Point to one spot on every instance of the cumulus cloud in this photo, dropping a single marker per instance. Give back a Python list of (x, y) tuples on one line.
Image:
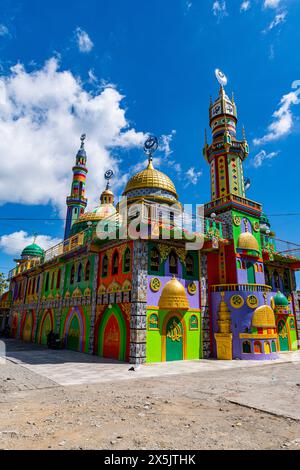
[(192, 176), (245, 5), (263, 156), (42, 115), (84, 42), (219, 9), (14, 243), (282, 118), (271, 3), (165, 143)]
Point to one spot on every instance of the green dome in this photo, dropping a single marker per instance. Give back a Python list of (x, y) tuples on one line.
[(264, 219), (280, 300), (32, 251)]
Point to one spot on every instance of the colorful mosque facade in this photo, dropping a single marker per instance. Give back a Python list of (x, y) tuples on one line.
[(152, 299)]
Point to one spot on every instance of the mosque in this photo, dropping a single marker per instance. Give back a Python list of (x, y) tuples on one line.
[(157, 298)]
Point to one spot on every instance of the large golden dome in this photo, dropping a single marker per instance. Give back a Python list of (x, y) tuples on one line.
[(247, 241), (263, 317), (173, 296), (150, 178)]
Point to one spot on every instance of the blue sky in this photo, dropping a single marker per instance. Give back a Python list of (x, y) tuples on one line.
[(119, 69)]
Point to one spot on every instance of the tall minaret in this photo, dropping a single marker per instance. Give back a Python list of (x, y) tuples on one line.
[(225, 154), (77, 202)]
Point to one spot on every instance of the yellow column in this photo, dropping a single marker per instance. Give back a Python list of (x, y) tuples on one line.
[(224, 337)]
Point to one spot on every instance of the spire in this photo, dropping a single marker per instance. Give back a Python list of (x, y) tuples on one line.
[(107, 196), (77, 202), (150, 146)]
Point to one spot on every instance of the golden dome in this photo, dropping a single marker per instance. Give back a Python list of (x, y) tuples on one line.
[(247, 241), (99, 213), (173, 296), (150, 178), (263, 317)]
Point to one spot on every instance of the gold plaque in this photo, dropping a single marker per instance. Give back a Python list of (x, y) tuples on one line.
[(155, 284), (236, 301), (192, 288), (252, 301)]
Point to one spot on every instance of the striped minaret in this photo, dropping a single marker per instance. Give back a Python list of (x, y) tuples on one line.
[(76, 202), (226, 154)]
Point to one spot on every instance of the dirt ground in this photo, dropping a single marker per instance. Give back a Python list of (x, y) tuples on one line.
[(184, 411)]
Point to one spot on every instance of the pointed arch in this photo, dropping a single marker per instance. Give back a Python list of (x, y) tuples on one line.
[(79, 273), (115, 263), (104, 270), (127, 260), (87, 271)]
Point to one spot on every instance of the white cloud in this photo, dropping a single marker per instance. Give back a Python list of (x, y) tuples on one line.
[(42, 115), (245, 5), (84, 42), (192, 176), (279, 18), (271, 3), (3, 30), (14, 243), (282, 118), (165, 143), (219, 9), (262, 156)]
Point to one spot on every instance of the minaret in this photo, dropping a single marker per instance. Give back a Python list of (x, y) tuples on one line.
[(77, 202), (229, 202), (226, 154)]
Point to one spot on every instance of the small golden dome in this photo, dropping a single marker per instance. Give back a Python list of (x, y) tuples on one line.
[(263, 317), (100, 213), (173, 296), (150, 178), (247, 241)]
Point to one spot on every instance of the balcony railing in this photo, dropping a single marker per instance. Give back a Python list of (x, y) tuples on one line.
[(240, 288), (233, 198), (62, 248)]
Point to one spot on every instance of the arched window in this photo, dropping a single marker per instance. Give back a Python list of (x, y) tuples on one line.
[(52, 280), (267, 277), (58, 279), (87, 271), (239, 264), (276, 280), (154, 260), (38, 284), (189, 262), (286, 281), (173, 262), (47, 282), (72, 275), (246, 347), (79, 273), (127, 260), (104, 266), (257, 347), (115, 263)]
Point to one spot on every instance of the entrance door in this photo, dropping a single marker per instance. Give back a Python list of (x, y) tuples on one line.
[(111, 338), (73, 338), (174, 340), (250, 273), (283, 336), (46, 328), (27, 330)]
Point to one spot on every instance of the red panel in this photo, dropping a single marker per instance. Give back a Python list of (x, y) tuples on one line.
[(111, 338)]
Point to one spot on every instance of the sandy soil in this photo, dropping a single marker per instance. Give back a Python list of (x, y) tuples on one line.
[(178, 412)]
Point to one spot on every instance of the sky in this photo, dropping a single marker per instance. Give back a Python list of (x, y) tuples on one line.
[(118, 70)]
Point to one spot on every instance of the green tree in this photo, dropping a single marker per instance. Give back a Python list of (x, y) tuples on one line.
[(3, 283)]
